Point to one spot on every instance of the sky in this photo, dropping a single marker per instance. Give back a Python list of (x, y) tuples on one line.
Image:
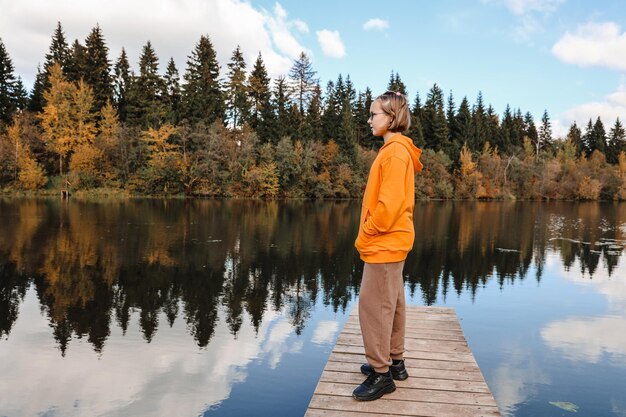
[(566, 57)]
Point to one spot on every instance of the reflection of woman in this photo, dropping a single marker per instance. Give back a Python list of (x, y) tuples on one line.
[(385, 237)]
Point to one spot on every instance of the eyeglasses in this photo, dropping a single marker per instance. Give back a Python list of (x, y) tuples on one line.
[(372, 114)]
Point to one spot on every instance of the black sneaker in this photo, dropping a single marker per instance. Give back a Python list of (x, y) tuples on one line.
[(398, 371), (374, 387)]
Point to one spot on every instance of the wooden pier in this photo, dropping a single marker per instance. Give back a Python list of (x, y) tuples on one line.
[(444, 379)]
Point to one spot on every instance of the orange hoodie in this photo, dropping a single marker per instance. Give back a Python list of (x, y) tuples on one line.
[(386, 231)]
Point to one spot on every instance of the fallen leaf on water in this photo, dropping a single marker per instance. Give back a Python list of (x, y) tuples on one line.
[(565, 406)]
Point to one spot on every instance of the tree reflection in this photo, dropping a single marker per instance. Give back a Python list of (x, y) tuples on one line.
[(201, 261)]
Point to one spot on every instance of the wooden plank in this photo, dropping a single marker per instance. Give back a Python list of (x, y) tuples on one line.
[(444, 379)]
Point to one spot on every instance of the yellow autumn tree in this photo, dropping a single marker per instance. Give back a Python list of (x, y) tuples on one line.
[(67, 119), (108, 140), (164, 159), (29, 174), (468, 178)]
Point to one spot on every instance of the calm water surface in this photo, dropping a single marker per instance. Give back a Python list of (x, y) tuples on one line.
[(187, 308)]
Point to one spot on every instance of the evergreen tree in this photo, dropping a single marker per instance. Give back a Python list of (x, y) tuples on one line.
[(491, 125), (479, 136), (59, 51), (346, 137), (283, 110), (302, 81), (78, 63), (517, 137), (145, 99), (97, 71), (530, 130), (172, 93), (416, 131), (462, 128), (598, 137), (435, 125), (588, 140), (545, 133), (575, 136), (122, 84), (202, 95), (10, 89), (236, 90), (396, 84), (258, 92), (313, 126), (362, 114), (617, 142), (507, 129), (331, 116)]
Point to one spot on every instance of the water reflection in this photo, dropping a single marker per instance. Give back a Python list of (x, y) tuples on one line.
[(92, 265)]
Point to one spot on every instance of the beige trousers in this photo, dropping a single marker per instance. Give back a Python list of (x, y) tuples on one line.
[(382, 313)]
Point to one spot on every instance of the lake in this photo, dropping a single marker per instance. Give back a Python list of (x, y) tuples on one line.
[(230, 308)]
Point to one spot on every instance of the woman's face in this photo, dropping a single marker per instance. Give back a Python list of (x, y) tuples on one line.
[(379, 120)]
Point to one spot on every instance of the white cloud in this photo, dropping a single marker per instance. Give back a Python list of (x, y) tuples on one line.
[(376, 24), (609, 109), (331, 44), (593, 44), (173, 27), (520, 7)]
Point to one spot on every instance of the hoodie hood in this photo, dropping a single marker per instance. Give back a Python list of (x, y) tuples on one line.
[(414, 151)]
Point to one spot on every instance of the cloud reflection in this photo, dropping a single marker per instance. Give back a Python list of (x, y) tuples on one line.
[(169, 376)]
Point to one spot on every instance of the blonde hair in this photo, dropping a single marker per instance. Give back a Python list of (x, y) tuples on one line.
[(394, 104)]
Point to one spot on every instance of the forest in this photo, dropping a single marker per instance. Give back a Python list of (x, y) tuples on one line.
[(92, 125)]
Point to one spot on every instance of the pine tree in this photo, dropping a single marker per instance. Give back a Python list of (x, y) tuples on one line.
[(491, 125), (588, 140), (364, 133), (145, 99), (172, 96), (236, 90), (435, 125), (530, 130), (98, 68), (507, 129), (617, 142), (545, 133), (59, 51), (122, 84), (202, 95), (302, 81)]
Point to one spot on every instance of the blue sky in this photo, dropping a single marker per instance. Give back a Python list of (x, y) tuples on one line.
[(565, 56)]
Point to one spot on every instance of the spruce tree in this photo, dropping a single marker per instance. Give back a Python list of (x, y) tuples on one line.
[(395, 84), (545, 133), (479, 136), (98, 68), (77, 66), (258, 92), (9, 89), (575, 136), (313, 123), (617, 142), (507, 129), (598, 137), (435, 125), (416, 131), (364, 133), (463, 129), (283, 110), (145, 99), (491, 125), (202, 95), (530, 130), (59, 51), (330, 117), (236, 90), (172, 96), (121, 85), (588, 140)]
